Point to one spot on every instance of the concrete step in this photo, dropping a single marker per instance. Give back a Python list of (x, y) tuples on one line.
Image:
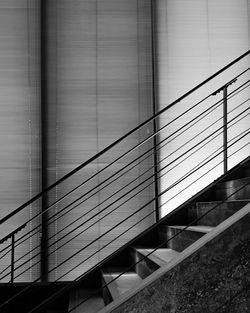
[(151, 261), (194, 228), (122, 283), (85, 300), (237, 189), (216, 212), (159, 256), (184, 238)]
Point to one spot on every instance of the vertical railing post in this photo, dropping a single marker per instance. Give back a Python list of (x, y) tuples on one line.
[(224, 90), (225, 128), (12, 250), (44, 143), (12, 259)]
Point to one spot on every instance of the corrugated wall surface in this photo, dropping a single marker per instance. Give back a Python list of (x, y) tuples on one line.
[(99, 87), (19, 118), (97, 70)]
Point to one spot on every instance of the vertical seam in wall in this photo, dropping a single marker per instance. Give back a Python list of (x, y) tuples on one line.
[(138, 63), (138, 77), (56, 136), (147, 91), (167, 41), (147, 44), (29, 132), (158, 25), (37, 118), (149, 85), (154, 97), (209, 41), (248, 21), (147, 31), (97, 130), (149, 88), (44, 132)]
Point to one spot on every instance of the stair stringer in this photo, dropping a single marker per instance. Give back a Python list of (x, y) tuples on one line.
[(198, 280)]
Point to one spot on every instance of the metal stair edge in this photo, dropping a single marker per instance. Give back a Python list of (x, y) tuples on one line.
[(182, 255)]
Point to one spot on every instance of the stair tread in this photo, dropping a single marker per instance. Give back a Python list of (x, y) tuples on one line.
[(90, 306), (122, 284), (160, 256), (224, 201), (197, 228)]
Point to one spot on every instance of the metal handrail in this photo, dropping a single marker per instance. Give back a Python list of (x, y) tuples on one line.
[(72, 284), (132, 149), (164, 139), (124, 195), (78, 168), (59, 293), (81, 224), (98, 185), (184, 177)]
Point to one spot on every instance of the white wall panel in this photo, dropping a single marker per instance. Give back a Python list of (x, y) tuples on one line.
[(195, 38)]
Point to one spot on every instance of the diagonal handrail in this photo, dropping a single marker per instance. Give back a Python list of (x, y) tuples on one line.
[(202, 163), (159, 143), (162, 244), (199, 166), (138, 145), (73, 283), (183, 127), (96, 156), (147, 170), (144, 257)]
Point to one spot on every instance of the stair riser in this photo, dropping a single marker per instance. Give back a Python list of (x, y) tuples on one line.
[(215, 213), (85, 300), (233, 190), (180, 241), (145, 267), (246, 170), (243, 172)]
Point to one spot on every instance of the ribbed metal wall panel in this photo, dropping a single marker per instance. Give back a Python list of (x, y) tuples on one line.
[(19, 121), (99, 87)]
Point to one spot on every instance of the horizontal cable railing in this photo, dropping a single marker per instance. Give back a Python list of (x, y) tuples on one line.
[(192, 138), (161, 245), (182, 178), (106, 201), (58, 182), (199, 143), (132, 266)]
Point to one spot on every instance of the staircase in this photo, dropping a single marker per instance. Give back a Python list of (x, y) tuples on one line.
[(143, 257), (173, 235)]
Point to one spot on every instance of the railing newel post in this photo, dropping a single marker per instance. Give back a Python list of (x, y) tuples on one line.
[(224, 117), (12, 258), (225, 129)]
